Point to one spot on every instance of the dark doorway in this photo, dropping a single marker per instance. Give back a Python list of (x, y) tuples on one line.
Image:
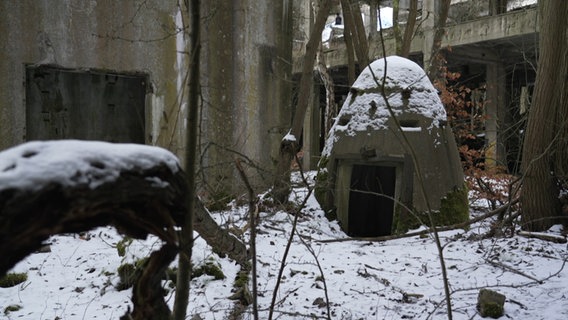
[(371, 200), (86, 105)]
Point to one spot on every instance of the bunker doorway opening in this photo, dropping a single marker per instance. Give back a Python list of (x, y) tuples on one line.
[(371, 200)]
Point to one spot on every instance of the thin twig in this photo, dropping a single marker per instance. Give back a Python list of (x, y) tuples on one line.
[(286, 251), (311, 250), (253, 213), (511, 269)]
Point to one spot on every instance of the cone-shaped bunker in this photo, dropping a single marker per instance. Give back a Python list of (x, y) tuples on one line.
[(388, 162)]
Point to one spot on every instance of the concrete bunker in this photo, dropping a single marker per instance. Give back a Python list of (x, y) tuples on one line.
[(381, 153)]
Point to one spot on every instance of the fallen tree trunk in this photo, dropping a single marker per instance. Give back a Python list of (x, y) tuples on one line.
[(543, 236), (220, 239), (460, 225), (49, 188), (133, 203)]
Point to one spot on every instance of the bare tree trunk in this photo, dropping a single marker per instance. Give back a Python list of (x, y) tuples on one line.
[(362, 41), (289, 145), (374, 8), (350, 55), (561, 164), (354, 25), (186, 234), (409, 30), (331, 106), (436, 59), (396, 26), (221, 240), (349, 29), (539, 195)]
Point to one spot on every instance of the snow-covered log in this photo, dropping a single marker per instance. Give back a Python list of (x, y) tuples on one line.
[(49, 188), (69, 186)]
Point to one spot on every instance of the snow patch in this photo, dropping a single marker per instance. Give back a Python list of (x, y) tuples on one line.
[(289, 137), (365, 280), (411, 129)]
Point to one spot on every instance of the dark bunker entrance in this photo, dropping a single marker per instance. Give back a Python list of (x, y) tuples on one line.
[(371, 200)]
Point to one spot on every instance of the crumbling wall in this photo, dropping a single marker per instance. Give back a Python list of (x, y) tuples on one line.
[(115, 36)]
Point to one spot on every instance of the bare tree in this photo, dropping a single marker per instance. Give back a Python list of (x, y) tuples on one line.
[(396, 25), (289, 145), (186, 234), (350, 55), (327, 80), (545, 138), (403, 41), (373, 19), (356, 30), (434, 66)]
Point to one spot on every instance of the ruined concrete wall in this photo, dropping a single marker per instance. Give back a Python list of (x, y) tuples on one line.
[(218, 101), (246, 63), (246, 89), (131, 36)]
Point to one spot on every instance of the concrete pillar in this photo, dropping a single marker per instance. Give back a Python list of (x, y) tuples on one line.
[(217, 82), (246, 85), (265, 90), (495, 109)]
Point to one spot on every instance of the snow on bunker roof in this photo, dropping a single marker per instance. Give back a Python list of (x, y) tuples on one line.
[(407, 89), (32, 165)]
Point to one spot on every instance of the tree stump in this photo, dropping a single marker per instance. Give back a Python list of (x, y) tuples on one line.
[(49, 188)]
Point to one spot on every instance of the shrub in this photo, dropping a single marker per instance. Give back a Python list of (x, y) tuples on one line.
[(12, 279)]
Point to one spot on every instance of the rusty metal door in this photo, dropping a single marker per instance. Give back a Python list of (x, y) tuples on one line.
[(87, 105)]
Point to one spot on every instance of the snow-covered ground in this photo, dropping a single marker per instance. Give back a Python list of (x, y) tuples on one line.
[(397, 279)]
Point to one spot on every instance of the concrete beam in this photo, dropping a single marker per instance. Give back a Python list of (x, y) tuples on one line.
[(480, 55), (511, 24), (508, 25)]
